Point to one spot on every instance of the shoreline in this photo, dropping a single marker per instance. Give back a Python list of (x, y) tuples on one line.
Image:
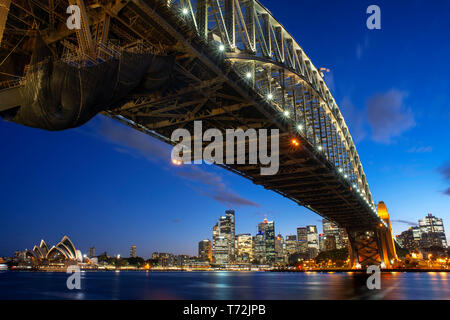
[(240, 271)]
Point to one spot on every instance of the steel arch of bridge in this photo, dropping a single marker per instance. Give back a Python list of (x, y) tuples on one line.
[(258, 45)]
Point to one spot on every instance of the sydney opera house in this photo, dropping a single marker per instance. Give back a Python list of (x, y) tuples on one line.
[(63, 251)]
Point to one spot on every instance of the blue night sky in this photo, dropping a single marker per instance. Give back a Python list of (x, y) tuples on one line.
[(108, 186)]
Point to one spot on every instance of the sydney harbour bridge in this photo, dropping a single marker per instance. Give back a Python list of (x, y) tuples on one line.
[(161, 65)]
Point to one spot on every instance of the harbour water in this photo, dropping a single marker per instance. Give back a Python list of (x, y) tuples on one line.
[(132, 285)]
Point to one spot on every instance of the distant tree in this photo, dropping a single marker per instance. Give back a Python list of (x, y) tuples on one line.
[(338, 256), (137, 261)]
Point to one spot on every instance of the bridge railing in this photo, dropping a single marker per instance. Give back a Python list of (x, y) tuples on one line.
[(265, 53)]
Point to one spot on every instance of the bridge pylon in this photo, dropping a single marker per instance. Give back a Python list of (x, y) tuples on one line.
[(373, 245)]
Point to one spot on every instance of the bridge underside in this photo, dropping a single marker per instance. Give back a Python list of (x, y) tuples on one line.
[(204, 86)]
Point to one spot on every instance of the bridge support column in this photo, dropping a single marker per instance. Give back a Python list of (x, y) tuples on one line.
[(363, 248), (373, 245)]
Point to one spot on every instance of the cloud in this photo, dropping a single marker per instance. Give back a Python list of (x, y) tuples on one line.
[(387, 116), (137, 144), (354, 118), (421, 149), (410, 223), (444, 170), (217, 188)]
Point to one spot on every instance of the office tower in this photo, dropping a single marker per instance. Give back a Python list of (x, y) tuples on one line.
[(332, 229), (406, 239), (432, 232), (91, 252), (226, 228), (205, 250), (302, 240), (133, 251), (279, 249), (259, 248), (329, 243), (221, 250), (322, 242), (291, 245), (244, 247), (267, 228), (313, 241)]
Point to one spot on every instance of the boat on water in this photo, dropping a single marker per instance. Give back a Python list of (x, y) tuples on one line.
[(3, 267)]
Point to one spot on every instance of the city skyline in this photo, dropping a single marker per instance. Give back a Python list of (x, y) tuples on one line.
[(104, 182), (428, 223)]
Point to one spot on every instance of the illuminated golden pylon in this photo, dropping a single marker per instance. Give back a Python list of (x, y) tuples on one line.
[(388, 252)]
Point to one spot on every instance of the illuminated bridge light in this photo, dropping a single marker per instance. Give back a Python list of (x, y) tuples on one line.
[(185, 11), (176, 162), (320, 148), (248, 75), (221, 47), (270, 96), (286, 113), (300, 127), (341, 170)]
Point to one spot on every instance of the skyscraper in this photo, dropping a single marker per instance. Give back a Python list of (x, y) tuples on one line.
[(205, 250), (291, 245), (244, 248), (279, 249), (133, 251), (221, 250), (302, 239), (225, 228), (313, 241), (91, 252), (432, 232), (267, 228), (259, 248), (332, 229)]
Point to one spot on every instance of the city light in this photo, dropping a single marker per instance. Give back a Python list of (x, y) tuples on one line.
[(286, 113), (270, 96), (320, 148), (176, 162), (300, 127), (185, 11), (248, 75), (221, 47), (295, 142)]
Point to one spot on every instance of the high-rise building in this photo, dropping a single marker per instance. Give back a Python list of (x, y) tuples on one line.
[(133, 251), (291, 245), (267, 228), (205, 250), (279, 249), (244, 247), (91, 252), (332, 229), (302, 239), (406, 239), (432, 232), (226, 228), (259, 248), (313, 241), (221, 250)]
